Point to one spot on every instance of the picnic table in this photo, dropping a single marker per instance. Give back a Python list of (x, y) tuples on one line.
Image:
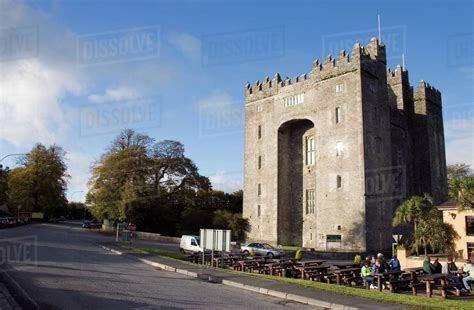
[(312, 271), (391, 274), (345, 265), (279, 265), (340, 273), (312, 262), (441, 278)]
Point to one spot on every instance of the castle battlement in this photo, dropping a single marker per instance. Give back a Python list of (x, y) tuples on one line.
[(320, 71), (425, 91)]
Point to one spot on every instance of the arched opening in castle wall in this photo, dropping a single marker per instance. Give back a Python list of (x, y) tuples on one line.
[(295, 153)]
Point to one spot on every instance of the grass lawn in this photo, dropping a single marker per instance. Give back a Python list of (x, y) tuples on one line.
[(402, 299), (153, 251)]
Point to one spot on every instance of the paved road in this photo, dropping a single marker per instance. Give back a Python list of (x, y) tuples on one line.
[(62, 267)]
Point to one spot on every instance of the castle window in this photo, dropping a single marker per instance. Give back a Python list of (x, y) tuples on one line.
[(339, 182), (338, 115), (259, 132), (293, 100), (259, 108), (310, 151), (259, 189), (339, 148), (340, 88), (259, 162), (258, 211), (310, 201)]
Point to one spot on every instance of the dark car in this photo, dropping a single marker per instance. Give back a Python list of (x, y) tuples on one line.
[(21, 221), (91, 224), (11, 222), (4, 222)]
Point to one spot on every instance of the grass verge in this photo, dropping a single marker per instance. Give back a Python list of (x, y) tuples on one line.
[(154, 251), (402, 299)]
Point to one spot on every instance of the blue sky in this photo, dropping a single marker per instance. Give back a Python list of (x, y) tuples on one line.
[(179, 85)]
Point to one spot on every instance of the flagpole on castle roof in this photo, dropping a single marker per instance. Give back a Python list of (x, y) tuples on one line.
[(380, 33)]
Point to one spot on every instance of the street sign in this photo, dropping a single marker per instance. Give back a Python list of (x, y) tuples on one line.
[(397, 238), (215, 239)]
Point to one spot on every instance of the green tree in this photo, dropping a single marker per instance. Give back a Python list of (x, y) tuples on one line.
[(145, 182), (3, 184), (39, 184), (461, 190), (429, 230), (459, 171)]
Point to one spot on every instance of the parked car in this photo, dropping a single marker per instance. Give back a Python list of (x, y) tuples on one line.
[(91, 224), (21, 221), (190, 244), (11, 222), (4, 222), (261, 249)]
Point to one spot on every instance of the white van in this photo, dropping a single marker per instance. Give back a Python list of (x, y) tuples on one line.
[(189, 244)]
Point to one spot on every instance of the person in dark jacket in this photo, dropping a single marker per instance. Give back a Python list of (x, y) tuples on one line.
[(437, 267)]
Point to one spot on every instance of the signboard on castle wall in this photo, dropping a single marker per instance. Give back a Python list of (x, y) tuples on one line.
[(215, 239)]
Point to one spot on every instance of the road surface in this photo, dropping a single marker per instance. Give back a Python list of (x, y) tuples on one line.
[(62, 267)]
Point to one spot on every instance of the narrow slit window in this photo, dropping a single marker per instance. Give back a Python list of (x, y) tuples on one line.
[(259, 132), (310, 201), (259, 189), (258, 211), (338, 115), (310, 151), (259, 162), (339, 182)]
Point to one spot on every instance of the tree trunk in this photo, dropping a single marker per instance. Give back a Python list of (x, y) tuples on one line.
[(417, 252)]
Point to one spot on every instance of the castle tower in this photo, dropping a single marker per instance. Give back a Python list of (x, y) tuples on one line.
[(321, 164)]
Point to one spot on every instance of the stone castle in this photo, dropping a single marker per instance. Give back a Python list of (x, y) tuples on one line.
[(330, 155)]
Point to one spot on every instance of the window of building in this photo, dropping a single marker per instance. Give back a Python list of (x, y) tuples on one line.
[(339, 148), (310, 150), (338, 115), (293, 100), (339, 182), (259, 162), (259, 189), (470, 225), (340, 88), (258, 211), (259, 131), (470, 249), (310, 201), (259, 108)]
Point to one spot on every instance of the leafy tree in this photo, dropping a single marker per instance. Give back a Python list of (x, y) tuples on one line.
[(39, 184), (461, 190), (459, 171), (429, 230), (3, 184), (136, 175)]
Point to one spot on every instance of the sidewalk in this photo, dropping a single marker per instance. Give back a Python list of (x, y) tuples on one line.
[(6, 300), (263, 286)]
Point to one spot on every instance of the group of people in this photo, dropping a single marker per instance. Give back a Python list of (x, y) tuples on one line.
[(372, 265), (450, 269)]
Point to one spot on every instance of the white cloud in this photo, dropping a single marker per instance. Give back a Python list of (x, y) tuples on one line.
[(114, 94), (35, 76), (187, 44), (216, 101), (228, 182)]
